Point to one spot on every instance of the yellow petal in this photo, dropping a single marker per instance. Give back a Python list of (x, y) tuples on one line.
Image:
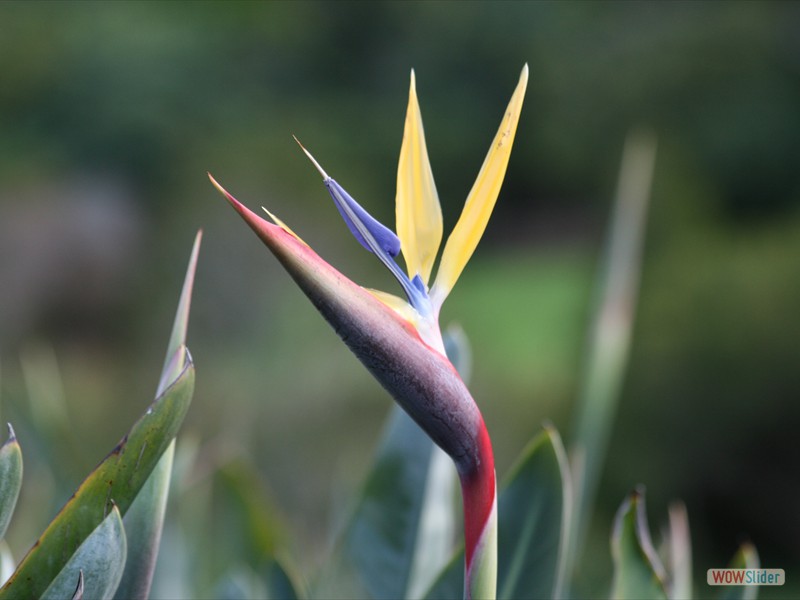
[(398, 305), (480, 201), (419, 216)]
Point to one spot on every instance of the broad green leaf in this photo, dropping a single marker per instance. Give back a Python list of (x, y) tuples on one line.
[(249, 500), (745, 558), (10, 479), (116, 480), (145, 518), (533, 508), (638, 572), (270, 582), (402, 524), (144, 522), (101, 560), (280, 583)]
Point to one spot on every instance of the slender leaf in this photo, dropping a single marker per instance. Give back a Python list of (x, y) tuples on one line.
[(170, 370), (144, 520), (638, 572), (116, 480), (100, 559), (679, 549), (533, 509), (745, 558), (10, 479)]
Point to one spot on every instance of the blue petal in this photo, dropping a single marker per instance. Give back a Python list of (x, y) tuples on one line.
[(379, 240), (419, 284), (383, 237)]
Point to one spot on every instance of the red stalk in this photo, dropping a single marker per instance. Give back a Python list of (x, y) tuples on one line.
[(478, 495)]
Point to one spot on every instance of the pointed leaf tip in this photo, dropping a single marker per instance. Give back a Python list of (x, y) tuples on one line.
[(638, 572), (78, 594), (222, 190)]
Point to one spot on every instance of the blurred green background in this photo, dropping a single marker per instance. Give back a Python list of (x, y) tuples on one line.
[(111, 114)]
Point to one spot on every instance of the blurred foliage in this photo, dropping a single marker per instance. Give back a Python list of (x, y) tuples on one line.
[(110, 114)]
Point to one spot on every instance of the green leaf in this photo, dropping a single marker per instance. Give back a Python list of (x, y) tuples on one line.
[(101, 560), (144, 520), (401, 534), (402, 528), (280, 583), (170, 371), (638, 572), (679, 552), (609, 339), (745, 558), (116, 480), (449, 585), (533, 510), (252, 527), (10, 479)]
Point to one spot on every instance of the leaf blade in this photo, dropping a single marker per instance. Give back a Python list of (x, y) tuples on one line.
[(637, 571), (99, 561), (144, 520), (745, 558), (534, 509), (383, 536), (10, 479), (532, 540), (119, 477)]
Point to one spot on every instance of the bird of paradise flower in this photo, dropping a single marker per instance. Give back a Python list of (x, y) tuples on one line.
[(399, 340)]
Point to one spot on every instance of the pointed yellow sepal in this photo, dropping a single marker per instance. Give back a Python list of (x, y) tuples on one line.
[(419, 216), (278, 222), (480, 201)]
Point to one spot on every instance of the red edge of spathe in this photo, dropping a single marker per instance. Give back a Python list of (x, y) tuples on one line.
[(479, 496)]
